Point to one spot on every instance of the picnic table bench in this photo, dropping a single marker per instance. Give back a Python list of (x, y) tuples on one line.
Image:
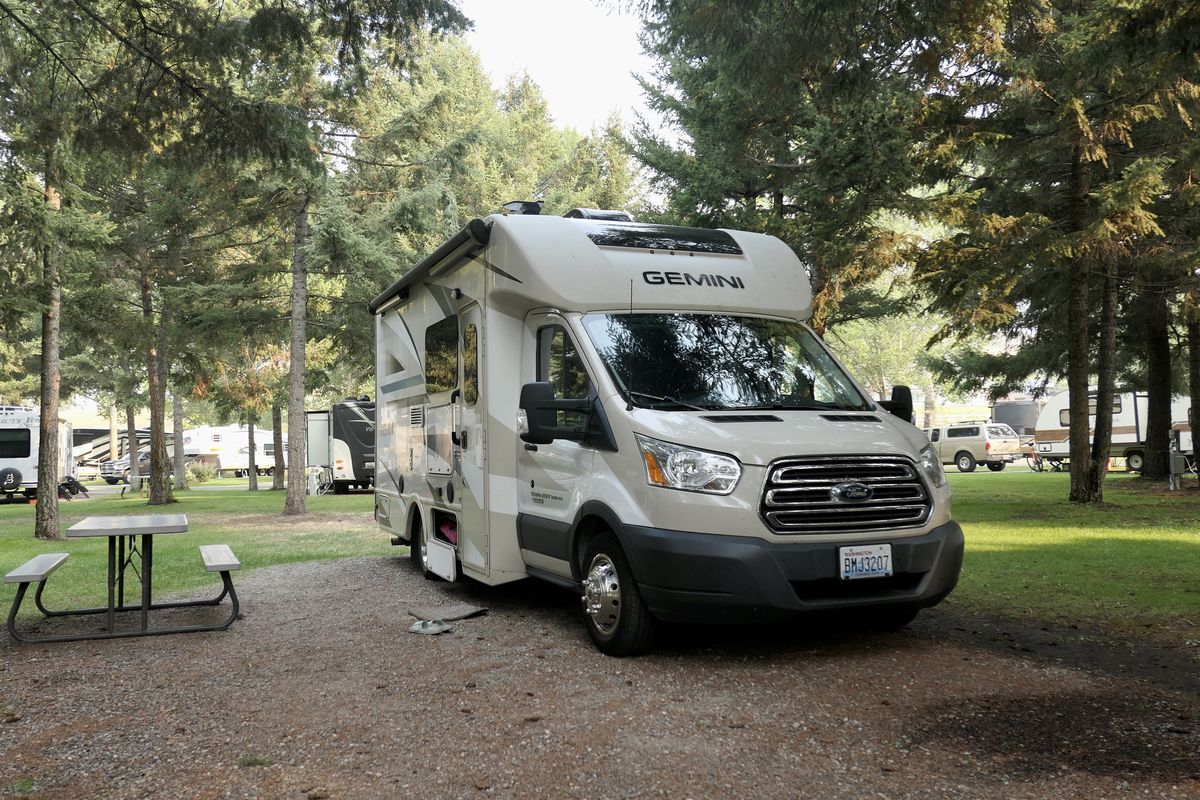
[(122, 551)]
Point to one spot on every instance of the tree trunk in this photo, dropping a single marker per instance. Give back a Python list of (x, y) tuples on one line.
[(930, 405), (1106, 379), (277, 436), (160, 486), (251, 447), (45, 524), (1158, 383), (1077, 339), (114, 442), (296, 502), (1193, 334), (177, 426), (131, 444)]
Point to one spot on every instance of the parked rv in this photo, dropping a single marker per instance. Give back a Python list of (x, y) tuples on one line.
[(1053, 437), (966, 444), (20, 435), (227, 448), (640, 414), (343, 439)]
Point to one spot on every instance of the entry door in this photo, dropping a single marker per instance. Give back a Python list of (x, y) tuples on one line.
[(469, 444), (550, 475)]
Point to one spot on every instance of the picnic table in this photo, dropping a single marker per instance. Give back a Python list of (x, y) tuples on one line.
[(125, 554)]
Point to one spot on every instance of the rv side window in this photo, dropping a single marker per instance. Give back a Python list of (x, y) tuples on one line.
[(470, 365), (1064, 418), (1092, 405), (14, 443), (441, 355)]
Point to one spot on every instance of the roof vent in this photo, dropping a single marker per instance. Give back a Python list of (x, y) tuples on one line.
[(598, 213), (523, 207)]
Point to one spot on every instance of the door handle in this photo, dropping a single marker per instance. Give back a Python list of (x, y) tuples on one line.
[(531, 447)]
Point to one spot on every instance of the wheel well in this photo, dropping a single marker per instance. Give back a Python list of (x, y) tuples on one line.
[(588, 528), (961, 453), (414, 514)]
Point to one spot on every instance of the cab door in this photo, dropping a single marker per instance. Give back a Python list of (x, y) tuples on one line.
[(551, 476)]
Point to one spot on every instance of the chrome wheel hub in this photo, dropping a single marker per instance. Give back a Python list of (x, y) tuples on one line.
[(602, 594)]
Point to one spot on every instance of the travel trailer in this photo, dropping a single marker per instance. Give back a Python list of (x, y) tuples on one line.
[(1020, 415), (343, 439), (1053, 436), (639, 413), (19, 444), (227, 448)]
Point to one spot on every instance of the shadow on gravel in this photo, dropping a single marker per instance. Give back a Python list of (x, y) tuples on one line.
[(1162, 666), (1100, 734)]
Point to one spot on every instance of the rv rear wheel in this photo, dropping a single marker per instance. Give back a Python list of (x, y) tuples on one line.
[(965, 462), (996, 466), (613, 610), (418, 551), (1135, 461)]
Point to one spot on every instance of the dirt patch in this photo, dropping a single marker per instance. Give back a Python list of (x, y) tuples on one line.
[(273, 522), (320, 692)]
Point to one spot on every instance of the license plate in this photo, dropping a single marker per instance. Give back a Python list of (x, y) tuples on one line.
[(865, 561)]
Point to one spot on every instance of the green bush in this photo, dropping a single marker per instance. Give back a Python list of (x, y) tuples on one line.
[(199, 472)]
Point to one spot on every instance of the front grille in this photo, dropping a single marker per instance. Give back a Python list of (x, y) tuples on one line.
[(798, 496)]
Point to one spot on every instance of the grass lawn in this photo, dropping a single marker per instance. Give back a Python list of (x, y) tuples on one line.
[(339, 526), (1131, 566)]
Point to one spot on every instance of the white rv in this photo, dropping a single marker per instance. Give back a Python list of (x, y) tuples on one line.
[(227, 448), (343, 439), (639, 413), (19, 444), (1053, 435)]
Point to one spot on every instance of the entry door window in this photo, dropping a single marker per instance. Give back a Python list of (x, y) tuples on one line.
[(560, 365), (441, 355), (14, 443)]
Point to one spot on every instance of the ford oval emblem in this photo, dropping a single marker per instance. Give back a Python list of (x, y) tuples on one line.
[(852, 492)]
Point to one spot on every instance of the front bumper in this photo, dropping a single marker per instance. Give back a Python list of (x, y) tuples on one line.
[(701, 577)]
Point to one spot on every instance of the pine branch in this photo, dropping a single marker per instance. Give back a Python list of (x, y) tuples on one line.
[(8, 12)]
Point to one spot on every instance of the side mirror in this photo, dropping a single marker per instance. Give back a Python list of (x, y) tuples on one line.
[(541, 414), (901, 404)]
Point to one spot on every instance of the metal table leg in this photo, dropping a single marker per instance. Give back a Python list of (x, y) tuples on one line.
[(147, 564), (112, 582)]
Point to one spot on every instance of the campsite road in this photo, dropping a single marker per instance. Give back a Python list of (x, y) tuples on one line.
[(320, 692)]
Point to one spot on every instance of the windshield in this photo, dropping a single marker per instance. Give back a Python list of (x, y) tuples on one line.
[(717, 361)]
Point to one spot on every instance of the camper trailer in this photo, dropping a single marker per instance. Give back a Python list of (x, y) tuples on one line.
[(227, 448), (19, 443), (639, 413), (343, 439), (1053, 436)]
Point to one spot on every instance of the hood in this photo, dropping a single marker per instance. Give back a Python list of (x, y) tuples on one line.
[(760, 437)]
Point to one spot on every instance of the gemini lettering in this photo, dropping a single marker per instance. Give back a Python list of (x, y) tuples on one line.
[(655, 278)]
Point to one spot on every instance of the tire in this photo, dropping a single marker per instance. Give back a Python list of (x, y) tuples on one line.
[(417, 554), (112, 481), (891, 618), (996, 466), (1036, 464), (965, 462), (10, 479), (1135, 461), (270, 472), (614, 613)]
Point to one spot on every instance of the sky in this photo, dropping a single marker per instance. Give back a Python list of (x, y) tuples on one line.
[(583, 55)]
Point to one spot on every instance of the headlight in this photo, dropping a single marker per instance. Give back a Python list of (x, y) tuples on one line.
[(932, 465), (676, 467)]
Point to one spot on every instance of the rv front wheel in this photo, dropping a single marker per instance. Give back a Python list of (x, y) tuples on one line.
[(613, 610), (1135, 461), (418, 551), (965, 462)]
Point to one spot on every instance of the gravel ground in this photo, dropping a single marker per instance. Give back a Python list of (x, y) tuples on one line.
[(320, 692)]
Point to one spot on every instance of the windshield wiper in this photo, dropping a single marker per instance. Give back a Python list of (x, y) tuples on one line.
[(668, 399), (781, 407)]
